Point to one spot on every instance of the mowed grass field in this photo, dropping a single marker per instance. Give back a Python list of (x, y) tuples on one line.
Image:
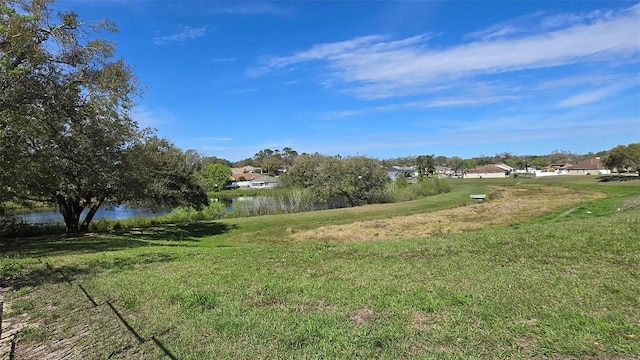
[(545, 269)]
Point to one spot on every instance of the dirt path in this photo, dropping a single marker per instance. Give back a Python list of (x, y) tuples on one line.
[(90, 331), (10, 325), (506, 206)]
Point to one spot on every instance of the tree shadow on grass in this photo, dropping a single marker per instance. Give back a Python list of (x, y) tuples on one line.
[(180, 232), (42, 272), (18, 274), (56, 245)]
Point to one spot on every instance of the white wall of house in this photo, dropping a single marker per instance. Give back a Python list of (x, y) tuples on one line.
[(262, 185), (542, 173), (523, 171), (590, 172), (485, 175)]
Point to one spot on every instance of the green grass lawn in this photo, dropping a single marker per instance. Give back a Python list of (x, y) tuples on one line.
[(564, 285)]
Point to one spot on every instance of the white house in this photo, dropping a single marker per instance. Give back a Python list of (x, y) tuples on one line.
[(264, 182), (588, 167), (491, 171)]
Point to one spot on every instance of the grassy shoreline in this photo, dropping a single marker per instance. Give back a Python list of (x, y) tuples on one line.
[(562, 284)]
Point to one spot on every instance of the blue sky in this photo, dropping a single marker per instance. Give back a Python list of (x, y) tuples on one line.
[(382, 78)]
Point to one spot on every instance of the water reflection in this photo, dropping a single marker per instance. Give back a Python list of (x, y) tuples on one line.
[(118, 212)]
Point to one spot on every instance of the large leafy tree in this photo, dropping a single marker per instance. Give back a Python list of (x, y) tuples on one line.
[(426, 164), (288, 155), (621, 157), (159, 174), (214, 176), (633, 160), (66, 132), (616, 158), (272, 160), (358, 179), (304, 171), (364, 180)]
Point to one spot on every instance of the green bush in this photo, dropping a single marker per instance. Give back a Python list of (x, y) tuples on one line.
[(424, 187), (398, 194), (401, 182), (11, 227), (179, 215), (432, 186)]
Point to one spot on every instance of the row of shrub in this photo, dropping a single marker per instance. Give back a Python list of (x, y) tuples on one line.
[(284, 201), (300, 200), (403, 191), (11, 227)]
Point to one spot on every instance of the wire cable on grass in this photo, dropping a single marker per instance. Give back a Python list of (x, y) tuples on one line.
[(87, 295), (126, 324), (163, 348), (139, 338)]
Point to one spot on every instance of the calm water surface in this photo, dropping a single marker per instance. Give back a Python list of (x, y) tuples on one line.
[(119, 212)]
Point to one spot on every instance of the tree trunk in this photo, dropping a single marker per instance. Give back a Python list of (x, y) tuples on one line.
[(350, 198), (71, 211), (92, 211)]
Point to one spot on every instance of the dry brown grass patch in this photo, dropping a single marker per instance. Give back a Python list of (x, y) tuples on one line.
[(511, 206), (362, 316), (421, 321), (319, 306)]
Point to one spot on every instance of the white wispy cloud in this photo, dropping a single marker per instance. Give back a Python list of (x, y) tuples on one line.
[(242, 91), (537, 22), (452, 101), (317, 52), (373, 66), (255, 8), (581, 80), (496, 134), (216, 139), (567, 19), (224, 60), (519, 25), (591, 96), (152, 118), (184, 33)]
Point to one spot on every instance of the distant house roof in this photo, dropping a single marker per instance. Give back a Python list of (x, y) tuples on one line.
[(243, 170), (246, 176), (400, 169), (589, 164), (394, 171), (490, 169), (558, 166), (403, 168), (504, 167), (266, 179)]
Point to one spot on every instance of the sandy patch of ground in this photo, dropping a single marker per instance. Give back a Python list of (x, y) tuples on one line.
[(10, 325), (506, 206)]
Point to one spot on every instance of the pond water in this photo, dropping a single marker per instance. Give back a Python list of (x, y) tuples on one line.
[(121, 212), (118, 212)]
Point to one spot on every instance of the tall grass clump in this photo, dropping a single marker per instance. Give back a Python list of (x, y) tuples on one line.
[(295, 200), (290, 201), (255, 206), (10, 227), (432, 186), (403, 191), (181, 215)]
